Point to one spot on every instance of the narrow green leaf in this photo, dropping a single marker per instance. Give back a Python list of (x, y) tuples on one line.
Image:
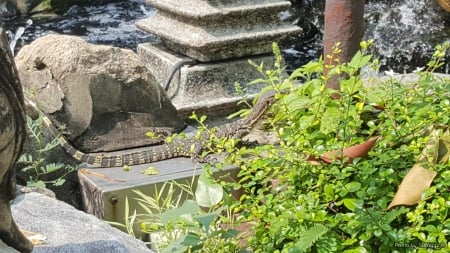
[(230, 233), (52, 167), (48, 147), (356, 250)]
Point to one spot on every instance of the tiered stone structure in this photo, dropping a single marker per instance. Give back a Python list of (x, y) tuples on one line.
[(220, 36)]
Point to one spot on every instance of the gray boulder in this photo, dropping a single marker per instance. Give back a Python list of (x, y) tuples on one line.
[(104, 96), (6, 249), (68, 230)]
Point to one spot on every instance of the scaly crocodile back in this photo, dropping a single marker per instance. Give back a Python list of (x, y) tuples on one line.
[(178, 147)]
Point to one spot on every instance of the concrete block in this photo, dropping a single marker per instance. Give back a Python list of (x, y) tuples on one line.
[(105, 190), (203, 87)]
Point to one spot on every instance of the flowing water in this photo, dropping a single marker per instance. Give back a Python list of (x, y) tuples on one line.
[(111, 24), (405, 31)]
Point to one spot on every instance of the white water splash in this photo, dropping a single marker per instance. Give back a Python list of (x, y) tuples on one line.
[(18, 34), (3, 7), (405, 30), (148, 12)]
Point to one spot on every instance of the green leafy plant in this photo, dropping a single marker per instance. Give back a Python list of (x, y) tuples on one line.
[(341, 206), (36, 161), (184, 217), (300, 202)]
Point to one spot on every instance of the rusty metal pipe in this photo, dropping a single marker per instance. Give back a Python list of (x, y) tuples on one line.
[(344, 23), (445, 4)]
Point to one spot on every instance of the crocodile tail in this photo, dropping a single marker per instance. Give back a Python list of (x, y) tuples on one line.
[(178, 148), (94, 160)]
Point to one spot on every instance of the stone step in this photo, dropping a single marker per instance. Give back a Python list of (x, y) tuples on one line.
[(216, 43), (206, 88), (206, 12), (217, 30)]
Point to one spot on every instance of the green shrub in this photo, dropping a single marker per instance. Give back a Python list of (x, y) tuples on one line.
[(185, 217), (318, 207), (342, 206)]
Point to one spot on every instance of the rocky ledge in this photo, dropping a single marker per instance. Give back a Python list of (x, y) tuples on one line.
[(62, 228)]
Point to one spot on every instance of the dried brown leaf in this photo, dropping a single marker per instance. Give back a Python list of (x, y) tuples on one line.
[(421, 175)]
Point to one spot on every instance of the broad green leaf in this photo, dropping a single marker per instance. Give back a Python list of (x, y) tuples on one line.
[(353, 204), (353, 186), (189, 207), (359, 61), (208, 193), (356, 250), (207, 219), (230, 233), (330, 120), (329, 191), (300, 72), (349, 241), (351, 85), (191, 240), (313, 67), (176, 247), (295, 102)]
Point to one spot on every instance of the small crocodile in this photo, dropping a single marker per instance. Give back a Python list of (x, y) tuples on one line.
[(178, 147)]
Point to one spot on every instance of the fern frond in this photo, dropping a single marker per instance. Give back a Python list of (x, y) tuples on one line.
[(310, 237)]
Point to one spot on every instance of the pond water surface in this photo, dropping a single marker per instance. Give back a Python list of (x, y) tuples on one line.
[(405, 31)]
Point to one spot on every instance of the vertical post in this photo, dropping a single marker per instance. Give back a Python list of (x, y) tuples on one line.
[(344, 23), (12, 136)]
